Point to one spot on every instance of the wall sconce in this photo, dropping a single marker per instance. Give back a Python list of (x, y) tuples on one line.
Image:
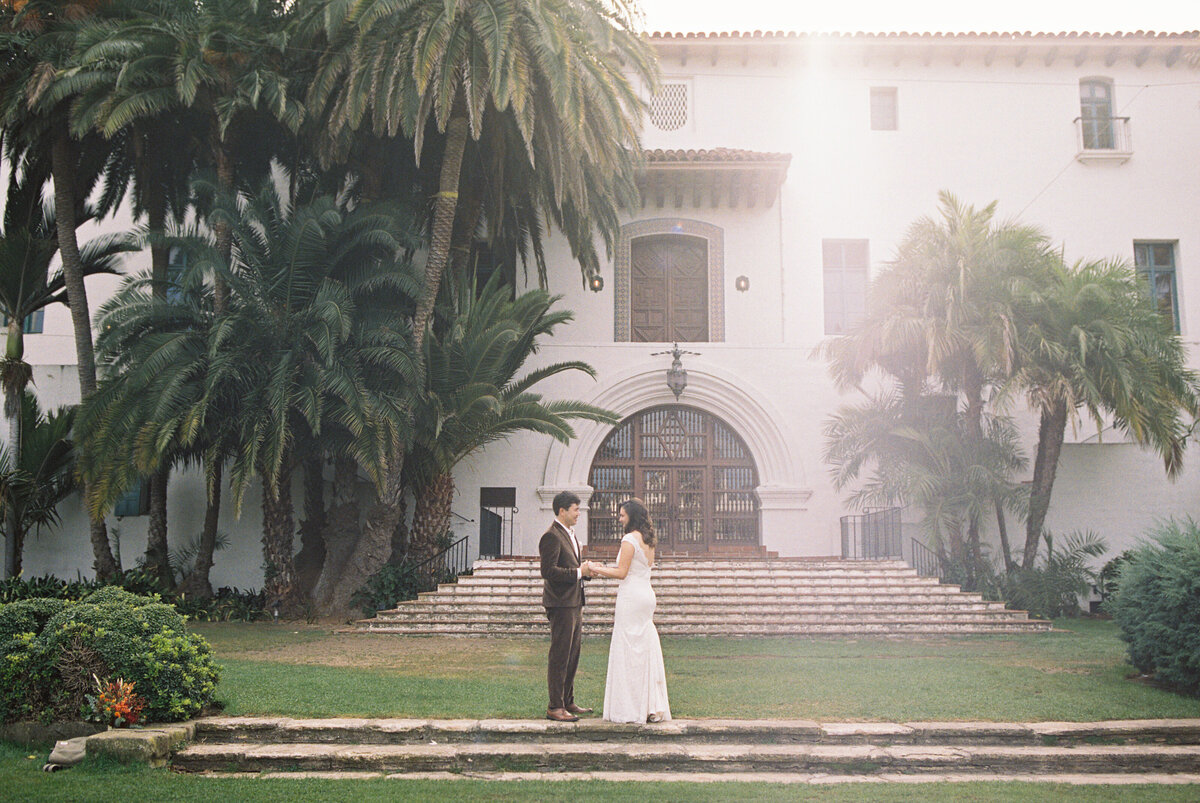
[(742, 283), (676, 375), (596, 283)]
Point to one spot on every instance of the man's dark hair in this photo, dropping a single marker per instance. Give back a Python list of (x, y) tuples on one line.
[(563, 500)]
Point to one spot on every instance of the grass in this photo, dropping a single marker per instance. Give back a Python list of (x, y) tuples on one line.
[(21, 780), (1077, 673)]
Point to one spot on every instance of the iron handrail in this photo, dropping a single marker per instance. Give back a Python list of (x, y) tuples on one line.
[(873, 535), (926, 561), (450, 567)]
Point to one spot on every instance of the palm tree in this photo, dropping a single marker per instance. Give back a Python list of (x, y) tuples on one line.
[(37, 42), (546, 78), (42, 476), (473, 395), (1094, 342), (28, 244), (943, 317)]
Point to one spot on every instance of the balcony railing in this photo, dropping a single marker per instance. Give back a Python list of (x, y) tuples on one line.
[(1103, 139)]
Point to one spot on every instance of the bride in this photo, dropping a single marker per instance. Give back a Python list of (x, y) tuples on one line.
[(636, 687)]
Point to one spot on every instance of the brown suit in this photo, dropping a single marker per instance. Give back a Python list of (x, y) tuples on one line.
[(562, 596)]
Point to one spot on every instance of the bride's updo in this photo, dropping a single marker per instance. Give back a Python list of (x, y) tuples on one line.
[(639, 519)]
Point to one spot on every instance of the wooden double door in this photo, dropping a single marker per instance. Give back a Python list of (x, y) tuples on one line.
[(693, 472)]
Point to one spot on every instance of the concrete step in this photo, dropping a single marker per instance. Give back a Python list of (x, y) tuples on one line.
[(717, 617), (708, 758), (670, 599), (286, 730), (758, 629), (601, 610)]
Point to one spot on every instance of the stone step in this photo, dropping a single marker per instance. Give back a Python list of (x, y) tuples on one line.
[(753, 629), (276, 730), (673, 599), (671, 757), (602, 609), (667, 618)]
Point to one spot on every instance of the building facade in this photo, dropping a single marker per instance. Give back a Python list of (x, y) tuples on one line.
[(782, 171)]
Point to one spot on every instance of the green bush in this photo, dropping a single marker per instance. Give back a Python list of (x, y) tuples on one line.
[(111, 633), (1157, 605), (1051, 588), (27, 616)]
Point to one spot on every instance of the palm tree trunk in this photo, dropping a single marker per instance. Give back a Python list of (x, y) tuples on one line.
[(1051, 430), (1002, 528), (221, 230), (63, 170), (312, 545), (198, 582), (341, 533), (431, 517), (444, 208), (373, 548), (157, 555), (279, 527), (14, 349)]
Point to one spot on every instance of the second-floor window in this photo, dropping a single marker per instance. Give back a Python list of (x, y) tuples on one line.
[(1155, 263), (1096, 114), (669, 289), (669, 106), (845, 264), (884, 108)]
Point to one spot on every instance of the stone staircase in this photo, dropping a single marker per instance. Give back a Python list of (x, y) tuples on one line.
[(708, 597), (1144, 751)]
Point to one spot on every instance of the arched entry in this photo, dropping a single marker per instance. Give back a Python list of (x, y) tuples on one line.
[(694, 472)]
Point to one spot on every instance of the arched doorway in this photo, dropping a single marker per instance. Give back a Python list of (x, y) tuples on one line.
[(694, 472)]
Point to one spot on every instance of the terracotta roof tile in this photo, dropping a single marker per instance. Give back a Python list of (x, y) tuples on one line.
[(795, 36), (710, 155)]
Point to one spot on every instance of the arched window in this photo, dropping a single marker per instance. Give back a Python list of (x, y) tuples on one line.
[(668, 288)]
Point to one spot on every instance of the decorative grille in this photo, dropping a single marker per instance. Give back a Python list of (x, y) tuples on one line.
[(694, 473), (669, 107)]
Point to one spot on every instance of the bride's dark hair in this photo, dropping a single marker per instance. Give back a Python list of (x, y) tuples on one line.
[(639, 519)]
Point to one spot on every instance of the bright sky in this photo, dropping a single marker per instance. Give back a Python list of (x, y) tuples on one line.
[(849, 16)]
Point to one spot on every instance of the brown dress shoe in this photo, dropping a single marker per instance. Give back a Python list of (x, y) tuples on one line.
[(578, 709), (561, 715)]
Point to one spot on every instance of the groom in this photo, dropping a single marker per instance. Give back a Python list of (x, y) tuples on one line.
[(562, 596)]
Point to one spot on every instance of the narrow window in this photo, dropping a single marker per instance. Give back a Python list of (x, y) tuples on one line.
[(497, 506), (1155, 263), (884, 116), (845, 272), (669, 289), (1096, 114)]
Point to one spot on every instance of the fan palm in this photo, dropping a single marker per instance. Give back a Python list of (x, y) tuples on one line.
[(1095, 343), (473, 395)]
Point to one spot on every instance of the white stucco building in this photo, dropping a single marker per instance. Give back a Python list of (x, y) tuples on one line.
[(783, 170)]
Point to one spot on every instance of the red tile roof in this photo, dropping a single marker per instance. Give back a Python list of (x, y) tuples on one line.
[(710, 155), (794, 36)]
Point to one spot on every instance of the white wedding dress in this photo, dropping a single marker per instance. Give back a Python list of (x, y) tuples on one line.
[(636, 687)]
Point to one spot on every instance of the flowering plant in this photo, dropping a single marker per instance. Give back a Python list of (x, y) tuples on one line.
[(115, 703)]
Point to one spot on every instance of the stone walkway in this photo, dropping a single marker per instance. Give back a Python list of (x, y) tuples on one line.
[(777, 751)]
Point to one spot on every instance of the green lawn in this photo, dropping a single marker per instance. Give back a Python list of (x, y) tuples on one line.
[(1076, 673)]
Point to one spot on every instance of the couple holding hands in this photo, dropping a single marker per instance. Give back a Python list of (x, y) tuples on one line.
[(635, 689)]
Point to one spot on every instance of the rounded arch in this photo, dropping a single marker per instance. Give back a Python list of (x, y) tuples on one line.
[(710, 389), (622, 284)]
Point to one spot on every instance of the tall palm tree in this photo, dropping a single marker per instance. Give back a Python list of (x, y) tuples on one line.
[(473, 395), (547, 78), (28, 244), (37, 42), (943, 316), (1094, 343)]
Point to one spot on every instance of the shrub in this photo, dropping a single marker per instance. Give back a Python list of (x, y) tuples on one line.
[(1157, 605), (390, 585), (111, 633), (1051, 589), (27, 616)]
